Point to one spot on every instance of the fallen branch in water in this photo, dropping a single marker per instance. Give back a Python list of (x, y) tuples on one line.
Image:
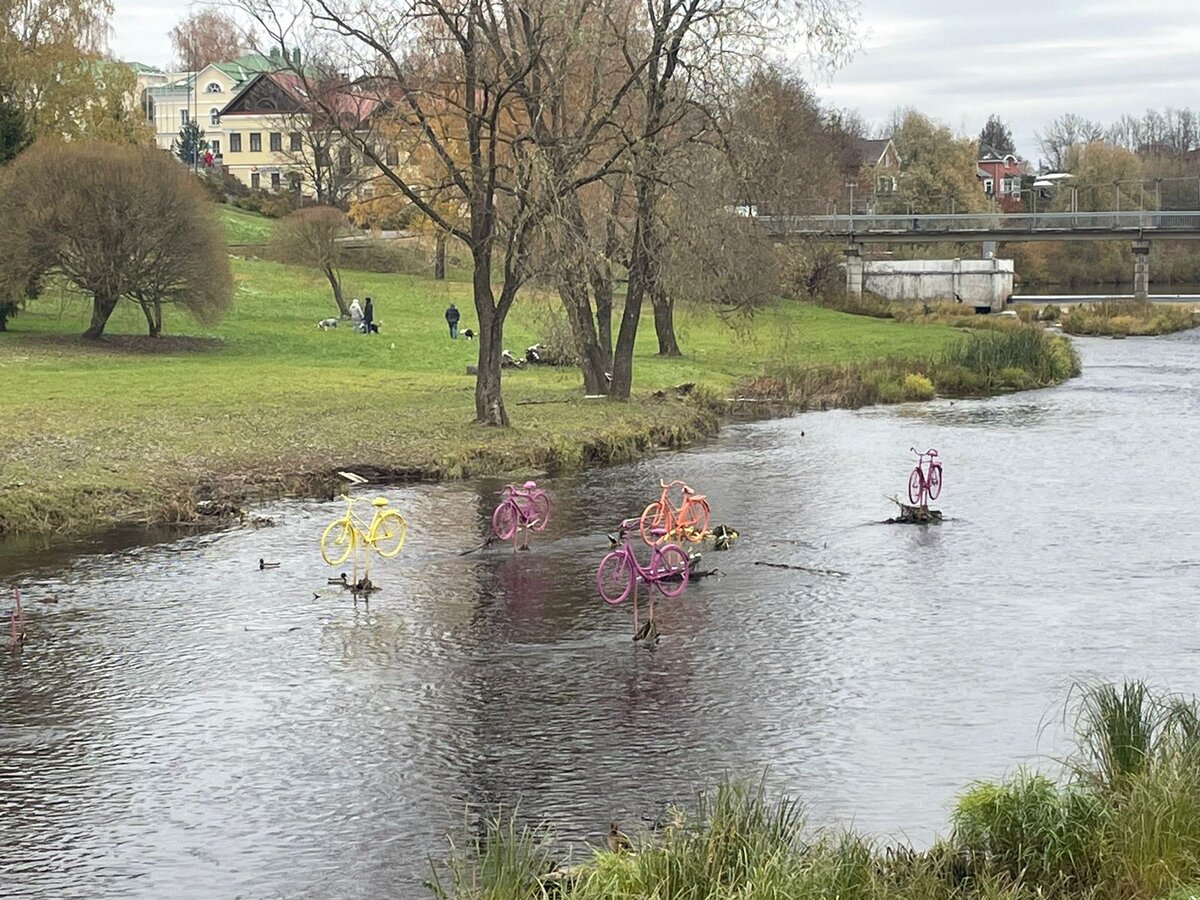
[(491, 539), (914, 515), (811, 571)]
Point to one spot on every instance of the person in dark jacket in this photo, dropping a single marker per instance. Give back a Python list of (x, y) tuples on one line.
[(368, 322), (452, 320)]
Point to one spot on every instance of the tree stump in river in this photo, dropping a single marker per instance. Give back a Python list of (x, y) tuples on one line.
[(914, 515)]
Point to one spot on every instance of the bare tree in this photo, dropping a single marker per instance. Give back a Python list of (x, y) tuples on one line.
[(1065, 131), (467, 79), (691, 49), (208, 36), (117, 221), (311, 237)]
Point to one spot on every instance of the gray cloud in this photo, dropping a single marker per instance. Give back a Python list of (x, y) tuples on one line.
[(1027, 61)]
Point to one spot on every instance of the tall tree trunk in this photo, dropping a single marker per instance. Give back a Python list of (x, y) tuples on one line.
[(639, 279), (439, 257), (573, 290), (664, 318), (602, 291), (489, 401), (152, 310), (102, 308), (575, 271), (335, 282)]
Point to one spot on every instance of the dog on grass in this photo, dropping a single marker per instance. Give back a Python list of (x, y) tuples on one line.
[(326, 324), (468, 334)]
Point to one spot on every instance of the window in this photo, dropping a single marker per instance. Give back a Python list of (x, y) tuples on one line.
[(344, 160), (215, 146), (392, 157), (988, 184), (274, 181), (183, 117), (276, 141), (294, 182), (255, 142), (214, 116), (235, 142), (294, 142), (212, 88), (254, 180)]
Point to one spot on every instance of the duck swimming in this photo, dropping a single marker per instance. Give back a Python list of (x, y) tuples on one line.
[(263, 564), (617, 842)]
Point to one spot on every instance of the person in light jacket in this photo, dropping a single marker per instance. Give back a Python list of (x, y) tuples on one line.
[(356, 314)]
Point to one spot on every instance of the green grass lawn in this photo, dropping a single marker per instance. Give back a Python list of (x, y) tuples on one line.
[(243, 227), (94, 433)]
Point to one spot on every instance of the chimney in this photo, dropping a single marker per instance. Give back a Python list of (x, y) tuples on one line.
[(275, 53), (296, 57)]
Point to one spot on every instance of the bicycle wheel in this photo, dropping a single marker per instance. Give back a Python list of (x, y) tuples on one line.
[(505, 520), (669, 570), (614, 577), (692, 524), (539, 510), (916, 486), (387, 537), (337, 542), (655, 517), (935, 481)]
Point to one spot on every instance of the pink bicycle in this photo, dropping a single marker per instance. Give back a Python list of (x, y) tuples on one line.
[(620, 571), (924, 484), (526, 506)]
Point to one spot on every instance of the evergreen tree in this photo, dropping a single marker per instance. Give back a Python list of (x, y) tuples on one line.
[(14, 130), (190, 146), (996, 135)]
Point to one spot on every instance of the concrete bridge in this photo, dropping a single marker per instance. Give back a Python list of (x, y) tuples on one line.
[(1138, 227)]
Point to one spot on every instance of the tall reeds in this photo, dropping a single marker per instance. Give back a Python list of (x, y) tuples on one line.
[(1122, 823)]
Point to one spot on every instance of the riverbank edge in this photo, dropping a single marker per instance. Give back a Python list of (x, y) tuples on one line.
[(664, 421)]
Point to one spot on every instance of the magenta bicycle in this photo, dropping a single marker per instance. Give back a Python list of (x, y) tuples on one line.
[(620, 571), (525, 506), (924, 484)]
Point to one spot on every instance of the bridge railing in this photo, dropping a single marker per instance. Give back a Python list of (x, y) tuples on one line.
[(1025, 223)]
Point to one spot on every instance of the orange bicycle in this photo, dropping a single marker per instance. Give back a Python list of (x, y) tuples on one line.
[(663, 522)]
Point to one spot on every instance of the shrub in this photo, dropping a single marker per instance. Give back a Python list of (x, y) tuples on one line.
[(1049, 313), (917, 387), (857, 305), (1026, 828), (266, 203), (387, 256)]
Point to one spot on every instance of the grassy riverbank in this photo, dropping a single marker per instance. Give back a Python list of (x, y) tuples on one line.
[(1128, 317), (133, 430), (1122, 822)]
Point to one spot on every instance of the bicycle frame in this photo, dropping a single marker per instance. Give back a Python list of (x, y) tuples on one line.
[(925, 482), (668, 517), (652, 573), (356, 532), (521, 507)]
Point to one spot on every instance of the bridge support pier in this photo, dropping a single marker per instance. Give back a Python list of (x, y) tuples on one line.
[(1141, 270), (854, 271)]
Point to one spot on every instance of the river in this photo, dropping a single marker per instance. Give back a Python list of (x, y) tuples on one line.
[(183, 724)]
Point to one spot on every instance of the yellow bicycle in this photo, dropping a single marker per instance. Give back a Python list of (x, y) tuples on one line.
[(384, 534)]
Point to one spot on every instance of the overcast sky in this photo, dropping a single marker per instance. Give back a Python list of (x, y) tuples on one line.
[(1026, 60)]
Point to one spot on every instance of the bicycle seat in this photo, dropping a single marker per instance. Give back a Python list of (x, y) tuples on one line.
[(529, 485), (380, 502)]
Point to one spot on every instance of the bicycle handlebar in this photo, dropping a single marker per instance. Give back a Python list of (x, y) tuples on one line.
[(930, 452)]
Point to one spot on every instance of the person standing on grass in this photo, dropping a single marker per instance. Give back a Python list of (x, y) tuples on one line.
[(356, 314), (452, 321), (368, 317)]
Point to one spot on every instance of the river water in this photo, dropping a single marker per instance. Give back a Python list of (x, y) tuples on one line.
[(181, 723)]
